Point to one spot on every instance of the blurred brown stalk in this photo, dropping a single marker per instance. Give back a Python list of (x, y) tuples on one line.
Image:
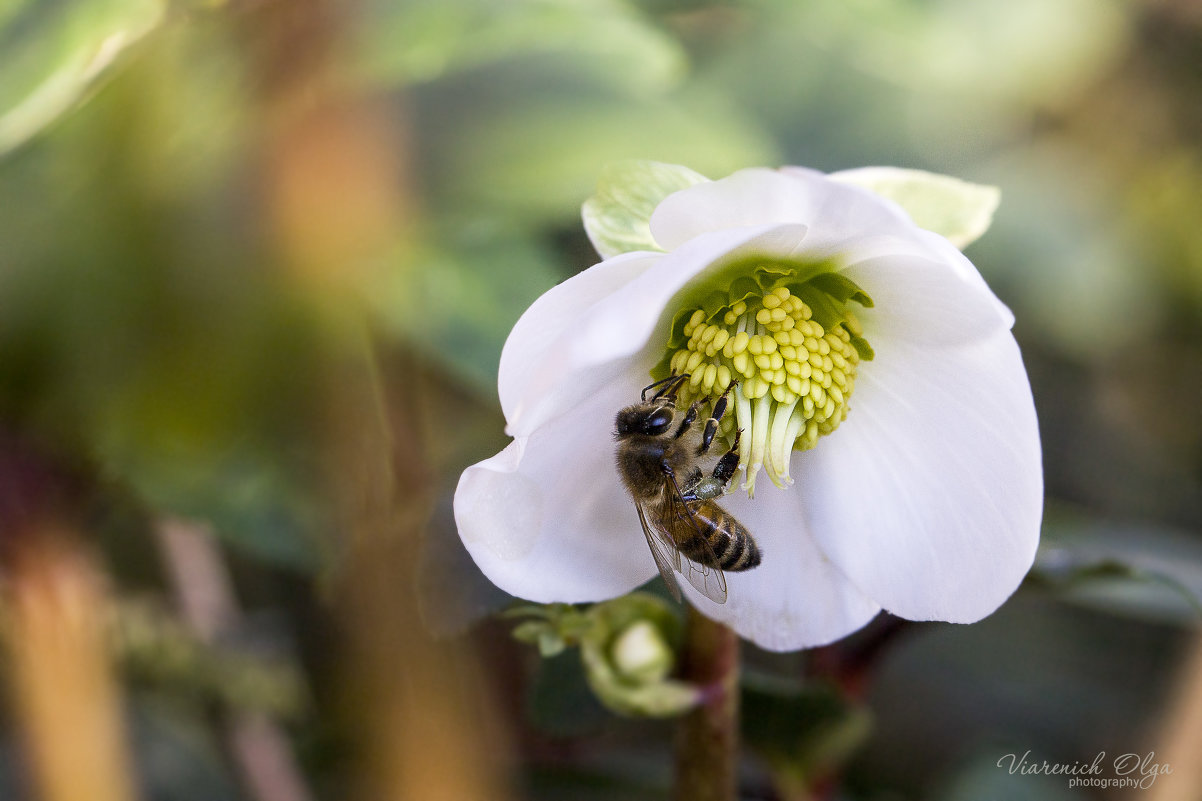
[(1180, 743), (66, 699), (338, 199)]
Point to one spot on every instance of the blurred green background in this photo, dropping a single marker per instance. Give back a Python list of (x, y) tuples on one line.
[(208, 210)]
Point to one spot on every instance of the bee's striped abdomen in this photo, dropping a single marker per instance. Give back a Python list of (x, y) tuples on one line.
[(730, 544)]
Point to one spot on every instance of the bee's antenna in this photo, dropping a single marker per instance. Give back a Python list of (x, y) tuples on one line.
[(668, 387)]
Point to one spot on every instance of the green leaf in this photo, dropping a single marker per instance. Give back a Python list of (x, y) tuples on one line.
[(53, 51), (456, 295), (617, 217), (981, 779), (560, 702), (1071, 571), (427, 40), (547, 143), (803, 732), (1143, 571), (178, 754), (956, 209)]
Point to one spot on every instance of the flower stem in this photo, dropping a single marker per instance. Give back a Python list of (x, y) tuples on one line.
[(707, 743)]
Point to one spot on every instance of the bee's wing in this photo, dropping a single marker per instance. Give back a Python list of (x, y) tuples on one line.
[(664, 551), (708, 580)]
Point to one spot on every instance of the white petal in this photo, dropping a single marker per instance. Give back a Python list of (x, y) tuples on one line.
[(547, 518), (929, 497), (925, 300), (796, 598), (556, 362), (845, 222), (949, 254), (834, 211), (552, 317)]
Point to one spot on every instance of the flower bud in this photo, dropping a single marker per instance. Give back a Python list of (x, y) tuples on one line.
[(641, 654)]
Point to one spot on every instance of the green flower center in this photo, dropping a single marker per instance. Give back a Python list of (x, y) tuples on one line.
[(792, 346)]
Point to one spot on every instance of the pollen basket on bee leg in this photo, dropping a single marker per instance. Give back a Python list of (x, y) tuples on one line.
[(792, 348)]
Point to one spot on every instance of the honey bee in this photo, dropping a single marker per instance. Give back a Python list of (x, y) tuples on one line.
[(657, 459)]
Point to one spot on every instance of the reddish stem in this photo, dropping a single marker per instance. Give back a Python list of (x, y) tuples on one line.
[(707, 743)]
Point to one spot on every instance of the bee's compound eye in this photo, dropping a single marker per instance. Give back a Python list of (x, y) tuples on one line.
[(657, 422)]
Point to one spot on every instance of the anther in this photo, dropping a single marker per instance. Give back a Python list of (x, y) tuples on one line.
[(795, 375)]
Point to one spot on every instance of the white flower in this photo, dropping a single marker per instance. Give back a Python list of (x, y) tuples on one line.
[(926, 501)]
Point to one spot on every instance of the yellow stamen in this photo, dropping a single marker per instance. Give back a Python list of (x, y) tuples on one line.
[(794, 377)]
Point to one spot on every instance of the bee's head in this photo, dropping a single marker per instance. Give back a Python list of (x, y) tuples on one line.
[(651, 419)]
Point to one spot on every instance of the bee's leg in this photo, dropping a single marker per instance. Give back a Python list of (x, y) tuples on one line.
[(668, 387), (711, 425), (689, 418), (724, 471), (688, 489)]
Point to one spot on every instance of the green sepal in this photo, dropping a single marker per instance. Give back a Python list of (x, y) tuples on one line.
[(553, 628), (541, 634), (617, 217), (664, 699), (956, 209)]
